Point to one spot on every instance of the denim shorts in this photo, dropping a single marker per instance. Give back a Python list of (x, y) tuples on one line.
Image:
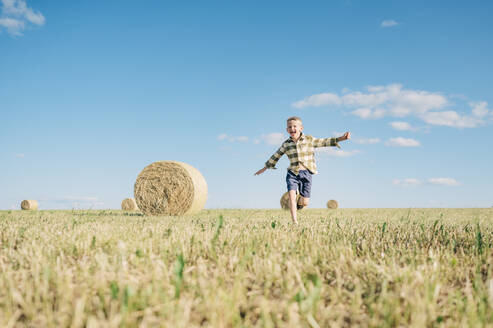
[(301, 182)]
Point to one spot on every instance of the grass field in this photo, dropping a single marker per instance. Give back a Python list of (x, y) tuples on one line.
[(240, 268)]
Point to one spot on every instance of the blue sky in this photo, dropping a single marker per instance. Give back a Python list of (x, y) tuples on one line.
[(93, 91)]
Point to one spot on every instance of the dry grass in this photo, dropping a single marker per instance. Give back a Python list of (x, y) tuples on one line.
[(237, 268)]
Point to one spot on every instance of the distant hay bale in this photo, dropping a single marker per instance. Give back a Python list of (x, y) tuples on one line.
[(332, 204), (285, 200), (29, 204), (170, 188), (129, 204)]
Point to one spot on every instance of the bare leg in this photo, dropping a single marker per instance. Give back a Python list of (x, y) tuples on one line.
[(292, 205)]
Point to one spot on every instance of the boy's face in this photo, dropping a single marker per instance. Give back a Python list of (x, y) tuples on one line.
[(294, 129)]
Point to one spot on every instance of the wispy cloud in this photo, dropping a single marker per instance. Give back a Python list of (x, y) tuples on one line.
[(19, 155), (409, 182), (401, 126), (450, 182), (395, 101), (479, 112), (479, 109), (73, 202), (83, 199), (389, 23), (367, 141), (229, 138), (402, 142), (452, 119), (366, 113), (273, 139), (336, 152), (413, 182), (16, 16), (321, 99)]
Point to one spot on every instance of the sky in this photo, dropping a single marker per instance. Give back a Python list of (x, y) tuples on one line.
[(91, 92)]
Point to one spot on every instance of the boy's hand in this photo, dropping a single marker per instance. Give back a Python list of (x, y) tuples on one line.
[(345, 136), (262, 170)]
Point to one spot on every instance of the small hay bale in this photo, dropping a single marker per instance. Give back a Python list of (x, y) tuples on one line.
[(170, 188), (332, 204), (285, 200), (29, 204), (129, 204)]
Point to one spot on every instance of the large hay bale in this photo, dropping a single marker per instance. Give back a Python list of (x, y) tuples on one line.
[(129, 204), (285, 200), (29, 204), (170, 188), (332, 204)]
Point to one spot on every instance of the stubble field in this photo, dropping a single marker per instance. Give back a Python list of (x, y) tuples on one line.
[(241, 268)]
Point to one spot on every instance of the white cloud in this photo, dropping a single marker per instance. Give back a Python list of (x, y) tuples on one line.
[(336, 152), (401, 126), (321, 99), (366, 113), (367, 141), (412, 182), (359, 99), (380, 100), (409, 182), (395, 101), (479, 109), (224, 136), (19, 155), (13, 26), (449, 182), (362, 113), (16, 16), (66, 199), (452, 119), (72, 202), (274, 138), (402, 142), (389, 23)]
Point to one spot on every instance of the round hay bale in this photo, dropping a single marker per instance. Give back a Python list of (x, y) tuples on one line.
[(332, 204), (129, 204), (285, 200), (29, 204), (170, 188)]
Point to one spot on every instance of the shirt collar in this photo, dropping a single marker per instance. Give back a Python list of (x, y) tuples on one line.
[(302, 136)]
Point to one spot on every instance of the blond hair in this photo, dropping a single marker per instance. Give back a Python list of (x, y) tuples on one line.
[(294, 118)]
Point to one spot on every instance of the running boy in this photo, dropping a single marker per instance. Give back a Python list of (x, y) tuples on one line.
[(300, 150)]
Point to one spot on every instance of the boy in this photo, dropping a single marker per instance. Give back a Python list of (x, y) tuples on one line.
[(300, 150)]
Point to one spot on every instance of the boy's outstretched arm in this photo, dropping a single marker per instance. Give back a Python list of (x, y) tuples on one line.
[(345, 136), (262, 170), (330, 142)]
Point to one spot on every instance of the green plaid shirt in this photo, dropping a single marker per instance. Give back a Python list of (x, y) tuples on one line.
[(301, 152)]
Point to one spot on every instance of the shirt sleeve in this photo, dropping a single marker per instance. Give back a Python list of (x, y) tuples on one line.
[(325, 142), (271, 163)]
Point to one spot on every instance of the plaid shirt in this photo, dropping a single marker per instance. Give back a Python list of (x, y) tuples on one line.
[(301, 152)]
